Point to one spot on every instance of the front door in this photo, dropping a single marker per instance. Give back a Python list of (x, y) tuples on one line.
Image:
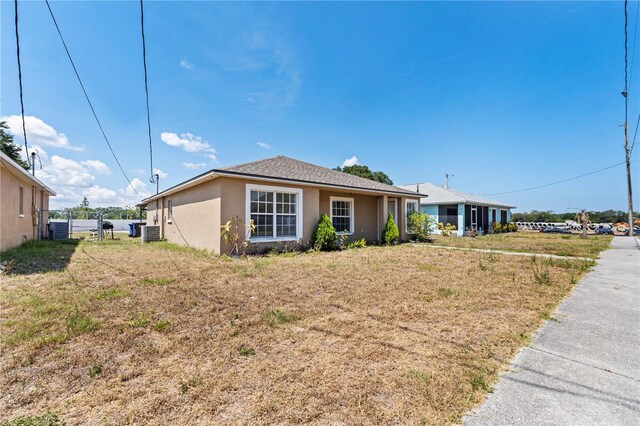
[(474, 218), (392, 207)]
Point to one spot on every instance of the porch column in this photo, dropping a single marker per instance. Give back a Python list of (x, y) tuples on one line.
[(461, 220)]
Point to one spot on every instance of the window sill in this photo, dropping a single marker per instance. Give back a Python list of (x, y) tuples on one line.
[(272, 240), (344, 233)]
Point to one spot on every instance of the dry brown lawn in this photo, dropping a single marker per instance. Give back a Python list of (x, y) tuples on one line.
[(532, 242), (156, 334)]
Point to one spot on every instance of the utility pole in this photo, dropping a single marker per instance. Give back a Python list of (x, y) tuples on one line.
[(446, 179), (33, 163), (626, 127), (157, 179), (584, 219)]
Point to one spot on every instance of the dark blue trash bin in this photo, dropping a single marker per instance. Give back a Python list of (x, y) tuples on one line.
[(132, 231)]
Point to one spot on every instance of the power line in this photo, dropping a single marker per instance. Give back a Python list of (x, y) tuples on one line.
[(633, 48), (24, 127), (75, 70), (635, 134), (559, 181), (146, 90)]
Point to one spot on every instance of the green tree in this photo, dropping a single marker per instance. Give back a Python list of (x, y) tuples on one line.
[(420, 225), (9, 147), (390, 234), (365, 172)]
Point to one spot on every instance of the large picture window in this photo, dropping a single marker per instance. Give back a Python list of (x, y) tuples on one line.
[(275, 212), (342, 215)]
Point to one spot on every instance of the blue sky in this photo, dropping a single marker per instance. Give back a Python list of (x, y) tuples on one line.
[(502, 95)]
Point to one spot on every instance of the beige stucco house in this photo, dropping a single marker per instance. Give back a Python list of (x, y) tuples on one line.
[(22, 196), (283, 197)]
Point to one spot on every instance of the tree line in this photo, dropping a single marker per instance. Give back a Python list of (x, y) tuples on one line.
[(607, 216), (84, 211)]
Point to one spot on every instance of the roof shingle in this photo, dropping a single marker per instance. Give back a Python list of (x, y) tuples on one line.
[(286, 168)]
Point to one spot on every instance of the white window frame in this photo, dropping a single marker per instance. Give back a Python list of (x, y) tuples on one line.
[(268, 188), (21, 201), (406, 217), (352, 223), (169, 211)]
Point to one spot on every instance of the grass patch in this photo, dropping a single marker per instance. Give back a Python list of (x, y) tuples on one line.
[(95, 371), (162, 325), (191, 383), (246, 351), (157, 281), (47, 419), (78, 323), (532, 242), (428, 267), (274, 317), (112, 293), (541, 274), (452, 292), (141, 320), (36, 257), (479, 381), (426, 329), (418, 375)]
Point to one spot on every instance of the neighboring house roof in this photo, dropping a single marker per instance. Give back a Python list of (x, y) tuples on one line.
[(287, 169), (18, 169), (440, 195)]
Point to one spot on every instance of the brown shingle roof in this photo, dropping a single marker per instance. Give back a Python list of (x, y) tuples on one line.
[(289, 169), (286, 168)]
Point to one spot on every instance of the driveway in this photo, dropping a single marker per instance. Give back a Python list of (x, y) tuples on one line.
[(583, 367)]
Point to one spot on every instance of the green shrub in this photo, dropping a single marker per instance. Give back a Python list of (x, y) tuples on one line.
[(390, 234), (324, 236), (420, 226), (446, 230), (357, 244)]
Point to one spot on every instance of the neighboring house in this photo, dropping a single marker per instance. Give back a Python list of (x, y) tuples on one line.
[(283, 197), (24, 204), (464, 211)]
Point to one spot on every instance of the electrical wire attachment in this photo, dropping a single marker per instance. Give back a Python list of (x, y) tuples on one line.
[(146, 92), (24, 126), (95, 115)]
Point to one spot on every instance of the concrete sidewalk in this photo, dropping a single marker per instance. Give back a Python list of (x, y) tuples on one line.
[(583, 368)]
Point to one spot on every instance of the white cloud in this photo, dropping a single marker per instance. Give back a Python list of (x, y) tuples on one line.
[(263, 145), (38, 132), (129, 196), (139, 172), (213, 158), (186, 65), (350, 161), (60, 171), (97, 165), (73, 179), (97, 194), (194, 166), (160, 173), (187, 141)]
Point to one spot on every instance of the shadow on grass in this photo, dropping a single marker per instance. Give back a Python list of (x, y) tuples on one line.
[(35, 257)]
